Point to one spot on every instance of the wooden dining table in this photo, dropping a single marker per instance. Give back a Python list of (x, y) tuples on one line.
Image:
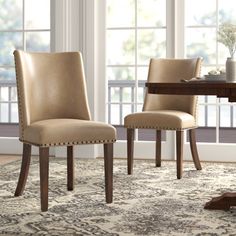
[(202, 87)]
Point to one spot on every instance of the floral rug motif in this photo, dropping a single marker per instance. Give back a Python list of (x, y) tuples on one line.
[(149, 202)]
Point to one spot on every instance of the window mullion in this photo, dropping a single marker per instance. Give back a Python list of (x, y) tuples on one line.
[(23, 20), (179, 28), (217, 26), (217, 119), (217, 64), (170, 28), (136, 63)]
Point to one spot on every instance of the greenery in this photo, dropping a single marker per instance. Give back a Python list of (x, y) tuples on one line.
[(11, 37), (227, 36)]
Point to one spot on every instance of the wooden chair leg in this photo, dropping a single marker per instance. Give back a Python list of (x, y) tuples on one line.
[(158, 148), (193, 146), (179, 153), (108, 164), (24, 170), (43, 170), (130, 150), (70, 168)]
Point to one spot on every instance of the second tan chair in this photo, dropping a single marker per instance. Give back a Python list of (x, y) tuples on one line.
[(53, 111), (167, 112)]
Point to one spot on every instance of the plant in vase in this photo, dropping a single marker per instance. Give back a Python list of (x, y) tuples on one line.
[(227, 36)]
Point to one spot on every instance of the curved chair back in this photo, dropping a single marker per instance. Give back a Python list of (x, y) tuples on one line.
[(50, 86), (172, 70)]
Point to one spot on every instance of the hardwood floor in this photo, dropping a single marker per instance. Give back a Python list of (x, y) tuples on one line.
[(8, 158)]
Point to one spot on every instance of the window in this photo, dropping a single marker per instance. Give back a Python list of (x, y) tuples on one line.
[(136, 32), (216, 116), (25, 25)]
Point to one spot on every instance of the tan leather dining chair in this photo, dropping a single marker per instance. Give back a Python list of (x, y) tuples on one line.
[(54, 111), (167, 112)]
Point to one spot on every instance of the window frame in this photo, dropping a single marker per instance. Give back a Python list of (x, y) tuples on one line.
[(10, 84), (176, 49)]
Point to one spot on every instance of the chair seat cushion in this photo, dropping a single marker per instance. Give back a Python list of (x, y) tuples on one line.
[(160, 120), (57, 132)]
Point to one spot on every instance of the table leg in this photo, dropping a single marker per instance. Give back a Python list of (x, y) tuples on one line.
[(223, 202)]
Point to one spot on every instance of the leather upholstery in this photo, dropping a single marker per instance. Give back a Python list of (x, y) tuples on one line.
[(164, 119), (52, 101), (68, 132), (168, 112)]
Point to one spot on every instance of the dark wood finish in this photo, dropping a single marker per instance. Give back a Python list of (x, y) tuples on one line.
[(108, 164), (220, 89), (223, 202), (179, 153), (24, 170), (43, 170), (193, 147), (70, 168), (130, 150), (158, 148)]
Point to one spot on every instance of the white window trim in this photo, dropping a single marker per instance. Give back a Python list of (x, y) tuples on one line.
[(74, 32), (68, 36), (142, 149), (88, 36), (207, 151), (12, 145), (176, 49)]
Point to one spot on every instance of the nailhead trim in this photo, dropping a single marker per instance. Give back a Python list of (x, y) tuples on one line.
[(69, 143), (21, 123), (196, 103), (158, 128), (19, 96), (194, 112)]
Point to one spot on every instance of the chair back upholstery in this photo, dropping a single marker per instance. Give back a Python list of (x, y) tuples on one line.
[(50, 86), (172, 70)]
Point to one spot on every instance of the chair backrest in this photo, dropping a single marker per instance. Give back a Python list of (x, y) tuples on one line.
[(172, 70), (50, 86)]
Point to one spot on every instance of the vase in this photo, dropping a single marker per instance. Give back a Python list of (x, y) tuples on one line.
[(230, 69)]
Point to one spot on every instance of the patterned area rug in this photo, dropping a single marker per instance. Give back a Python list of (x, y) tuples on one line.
[(150, 202)]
